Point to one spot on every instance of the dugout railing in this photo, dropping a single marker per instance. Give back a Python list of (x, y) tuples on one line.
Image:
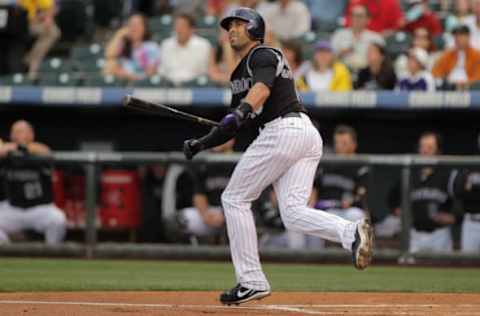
[(92, 162)]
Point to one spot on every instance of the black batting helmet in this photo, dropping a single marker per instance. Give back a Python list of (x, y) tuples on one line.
[(255, 26)]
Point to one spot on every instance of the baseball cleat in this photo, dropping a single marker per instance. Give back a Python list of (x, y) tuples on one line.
[(240, 294), (362, 247)]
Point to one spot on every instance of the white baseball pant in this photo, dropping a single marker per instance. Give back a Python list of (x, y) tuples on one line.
[(286, 153), (471, 233), (440, 240), (46, 218)]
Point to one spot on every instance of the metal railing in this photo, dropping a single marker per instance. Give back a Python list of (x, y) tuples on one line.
[(93, 161)]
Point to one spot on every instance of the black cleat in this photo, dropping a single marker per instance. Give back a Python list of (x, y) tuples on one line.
[(240, 294), (362, 247)]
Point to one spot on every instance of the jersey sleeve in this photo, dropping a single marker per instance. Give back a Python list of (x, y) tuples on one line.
[(263, 64)]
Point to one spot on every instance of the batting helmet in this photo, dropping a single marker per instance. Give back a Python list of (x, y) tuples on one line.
[(255, 26)]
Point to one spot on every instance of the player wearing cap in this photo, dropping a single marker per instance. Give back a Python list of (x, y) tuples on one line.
[(286, 154)]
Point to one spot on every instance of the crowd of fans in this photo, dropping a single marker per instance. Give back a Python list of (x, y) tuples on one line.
[(331, 45)]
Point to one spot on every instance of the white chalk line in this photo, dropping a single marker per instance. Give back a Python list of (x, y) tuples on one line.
[(284, 308)]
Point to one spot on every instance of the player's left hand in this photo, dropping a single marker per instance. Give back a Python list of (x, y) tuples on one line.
[(191, 147)]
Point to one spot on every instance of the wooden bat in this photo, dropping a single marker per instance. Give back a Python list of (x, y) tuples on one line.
[(151, 107)]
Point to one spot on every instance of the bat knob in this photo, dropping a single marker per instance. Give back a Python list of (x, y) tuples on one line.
[(126, 99)]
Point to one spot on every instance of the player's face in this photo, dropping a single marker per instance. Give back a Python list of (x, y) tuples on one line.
[(344, 144), (428, 146), (21, 133), (237, 34)]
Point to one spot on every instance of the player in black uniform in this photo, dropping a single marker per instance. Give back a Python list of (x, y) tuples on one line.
[(205, 217), (29, 188), (431, 201), (286, 154), (342, 190)]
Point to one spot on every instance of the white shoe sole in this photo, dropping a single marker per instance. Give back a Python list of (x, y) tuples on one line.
[(365, 250)]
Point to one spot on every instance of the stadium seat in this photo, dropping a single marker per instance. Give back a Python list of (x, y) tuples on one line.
[(439, 41), (55, 65), (207, 22), (161, 24), (64, 79), (17, 79), (475, 86), (100, 80), (398, 43), (91, 65), (87, 52), (154, 81), (200, 82)]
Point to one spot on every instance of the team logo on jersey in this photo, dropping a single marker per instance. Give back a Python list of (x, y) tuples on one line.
[(241, 85)]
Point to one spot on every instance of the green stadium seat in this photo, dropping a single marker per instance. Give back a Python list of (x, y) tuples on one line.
[(55, 65), (207, 22), (91, 65), (439, 41), (154, 81), (100, 80), (475, 86), (64, 79), (17, 79), (86, 52), (161, 24), (200, 82), (398, 43)]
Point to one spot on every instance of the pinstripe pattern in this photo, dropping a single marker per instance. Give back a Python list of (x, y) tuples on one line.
[(285, 154)]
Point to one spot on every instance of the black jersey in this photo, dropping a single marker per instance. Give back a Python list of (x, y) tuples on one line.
[(467, 189), (337, 184), (267, 65), (430, 193), (28, 182), (212, 180)]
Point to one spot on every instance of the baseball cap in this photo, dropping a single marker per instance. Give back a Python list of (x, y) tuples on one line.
[(420, 55), (461, 29), (323, 45)]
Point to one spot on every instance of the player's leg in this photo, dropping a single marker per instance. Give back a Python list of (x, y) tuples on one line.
[(50, 220), (470, 238), (265, 160), (441, 240), (12, 220)]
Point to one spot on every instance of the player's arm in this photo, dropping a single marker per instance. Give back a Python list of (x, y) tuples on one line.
[(38, 149), (264, 66)]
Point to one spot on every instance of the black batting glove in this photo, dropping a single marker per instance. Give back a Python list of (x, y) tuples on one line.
[(191, 147)]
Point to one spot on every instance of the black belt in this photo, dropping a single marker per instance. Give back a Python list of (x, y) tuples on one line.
[(291, 114)]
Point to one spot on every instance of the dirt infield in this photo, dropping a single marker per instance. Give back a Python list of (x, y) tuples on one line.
[(205, 303)]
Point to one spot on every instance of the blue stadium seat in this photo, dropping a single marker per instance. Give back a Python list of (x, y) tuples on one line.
[(154, 81)]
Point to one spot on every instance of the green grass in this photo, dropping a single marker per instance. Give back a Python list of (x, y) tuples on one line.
[(100, 275)]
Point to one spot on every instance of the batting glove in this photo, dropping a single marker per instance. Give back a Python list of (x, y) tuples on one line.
[(233, 121), (191, 147)]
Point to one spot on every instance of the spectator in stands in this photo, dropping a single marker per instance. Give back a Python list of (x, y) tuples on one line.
[(14, 36), (423, 40), (419, 15), (205, 217), (379, 74), (292, 50), (28, 188), (222, 61), (418, 77), (431, 203), (459, 16), (41, 15), (342, 190), (287, 18), (351, 43), (326, 74), (184, 56), (325, 12), (386, 16), (473, 23), (130, 54), (459, 66)]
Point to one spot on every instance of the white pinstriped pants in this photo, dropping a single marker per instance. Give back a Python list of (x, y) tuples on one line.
[(286, 153)]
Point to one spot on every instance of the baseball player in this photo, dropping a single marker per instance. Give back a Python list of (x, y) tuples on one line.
[(342, 191), (431, 201), (286, 154), (205, 217), (28, 188)]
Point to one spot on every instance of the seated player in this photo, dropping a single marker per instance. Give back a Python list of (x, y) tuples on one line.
[(28, 186), (342, 190), (205, 217)]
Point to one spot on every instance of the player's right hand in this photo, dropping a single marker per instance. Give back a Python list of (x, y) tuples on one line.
[(191, 147)]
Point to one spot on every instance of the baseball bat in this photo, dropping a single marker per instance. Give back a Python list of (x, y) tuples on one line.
[(143, 105)]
